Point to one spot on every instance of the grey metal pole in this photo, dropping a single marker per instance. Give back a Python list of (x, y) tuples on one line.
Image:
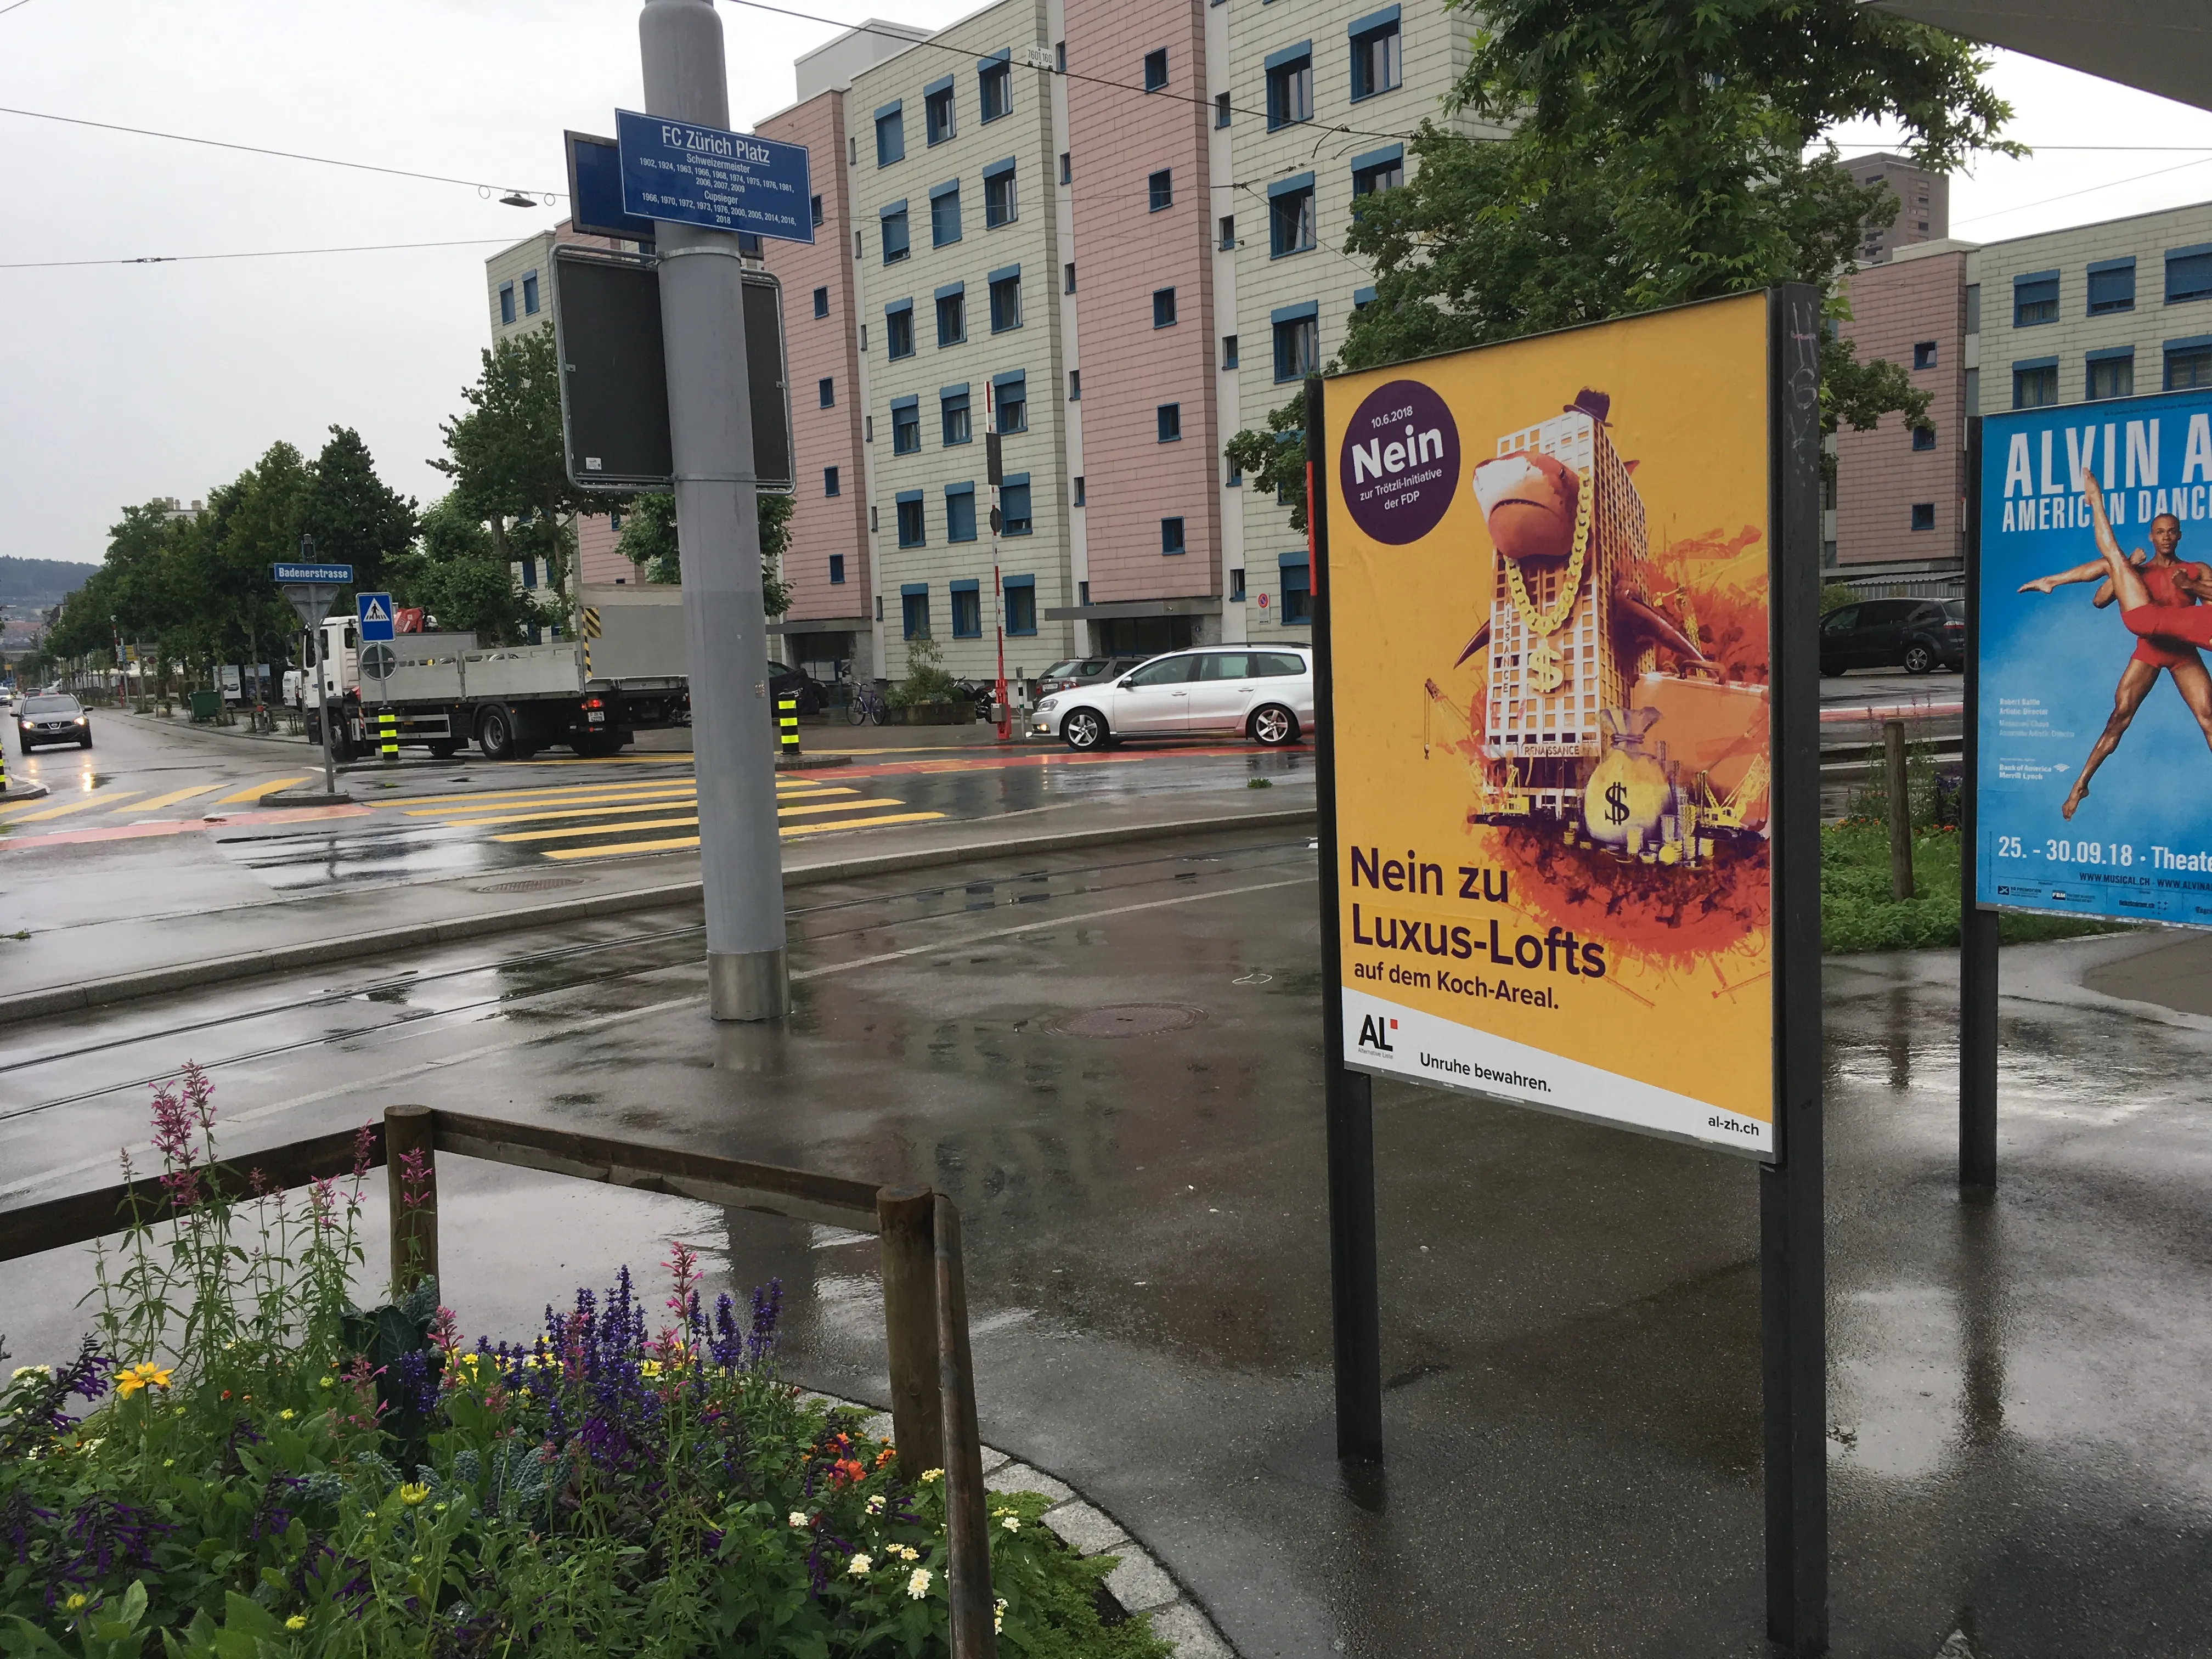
[(710, 418)]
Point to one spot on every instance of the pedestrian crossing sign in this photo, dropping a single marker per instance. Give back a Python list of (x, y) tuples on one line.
[(374, 611)]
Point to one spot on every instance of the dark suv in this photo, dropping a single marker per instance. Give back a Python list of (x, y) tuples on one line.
[(1914, 634)]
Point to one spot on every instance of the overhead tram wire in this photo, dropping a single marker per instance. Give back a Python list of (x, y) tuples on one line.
[(262, 253), (2087, 190)]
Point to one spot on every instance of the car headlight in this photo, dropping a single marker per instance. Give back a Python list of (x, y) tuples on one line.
[(1048, 705), (81, 720)]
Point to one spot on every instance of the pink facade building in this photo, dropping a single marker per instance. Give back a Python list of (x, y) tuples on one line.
[(1899, 496)]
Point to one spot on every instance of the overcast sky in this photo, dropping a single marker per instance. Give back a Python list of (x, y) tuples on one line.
[(122, 383)]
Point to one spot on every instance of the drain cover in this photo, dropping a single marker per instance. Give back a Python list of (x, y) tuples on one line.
[(1129, 1019), (537, 884)]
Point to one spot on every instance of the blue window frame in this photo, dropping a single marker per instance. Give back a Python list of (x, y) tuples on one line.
[(1075, 385), (911, 530), (1160, 188), (507, 302), (1168, 418), (2109, 373), (1077, 498), (999, 204), (1170, 538), (2035, 383), (814, 208), (1923, 515), (1297, 577), (1923, 437), (898, 328), (1290, 85), (906, 426), (1923, 354), (959, 524), (945, 213), (1019, 593), (1014, 504), (952, 411), (994, 84), (530, 294), (894, 233), (822, 302), (952, 314), (1362, 298), (967, 603), (1297, 340), (2189, 363), (2035, 299), (2111, 287), (830, 481), (1232, 475), (1156, 70), (914, 603), (1006, 299), (826, 390), (2188, 273), (1236, 584), (1228, 351), (1009, 397), (1377, 58), (836, 570), (1163, 308), (938, 121), (890, 134), (1291, 227), (1378, 169), (1220, 103)]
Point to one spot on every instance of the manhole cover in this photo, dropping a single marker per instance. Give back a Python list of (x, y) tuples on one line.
[(1129, 1019), (537, 884)]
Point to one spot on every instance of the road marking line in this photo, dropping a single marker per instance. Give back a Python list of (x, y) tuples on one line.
[(600, 829), (469, 814), (839, 805), (255, 792), (39, 817), (171, 799), (583, 811), (680, 844), (556, 791), (856, 824)]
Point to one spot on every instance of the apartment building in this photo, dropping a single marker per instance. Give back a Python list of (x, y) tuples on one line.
[(1923, 204)]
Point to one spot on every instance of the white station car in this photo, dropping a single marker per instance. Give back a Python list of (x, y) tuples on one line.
[(1266, 694)]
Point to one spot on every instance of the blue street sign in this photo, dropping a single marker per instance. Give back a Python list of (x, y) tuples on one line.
[(374, 611), (595, 198), (329, 575), (689, 174)]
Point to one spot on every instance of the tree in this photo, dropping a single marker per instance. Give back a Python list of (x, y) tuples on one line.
[(355, 518), (1658, 156), (648, 541), (455, 573)]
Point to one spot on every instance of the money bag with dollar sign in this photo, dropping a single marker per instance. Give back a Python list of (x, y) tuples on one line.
[(1628, 792)]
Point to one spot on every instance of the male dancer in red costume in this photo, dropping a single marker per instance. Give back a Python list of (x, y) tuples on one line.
[(2165, 583)]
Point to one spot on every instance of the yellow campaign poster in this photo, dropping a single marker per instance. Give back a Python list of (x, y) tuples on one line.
[(1547, 587)]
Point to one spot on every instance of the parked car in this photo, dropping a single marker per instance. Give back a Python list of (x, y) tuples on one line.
[(1914, 634), (1267, 695), (786, 681), (52, 720)]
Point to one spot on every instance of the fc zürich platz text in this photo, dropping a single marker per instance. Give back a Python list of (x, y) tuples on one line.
[(1555, 951)]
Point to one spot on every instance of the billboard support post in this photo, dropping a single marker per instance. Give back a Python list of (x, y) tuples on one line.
[(1793, 1325), (1977, 927), (710, 423), (1349, 1096)]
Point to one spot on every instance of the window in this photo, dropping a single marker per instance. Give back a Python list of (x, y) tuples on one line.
[(1228, 351), (1923, 355), (1020, 594), (1228, 242), (1006, 300), (952, 314), (914, 608), (1362, 298), (1066, 168), (1075, 385), (895, 244), (1233, 475), (875, 525), (1973, 392), (937, 109), (967, 608), (2034, 386), (1012, 401), (1161, 186), (890, 135), (1376, 63), (999, 197), (1067, 277), (1298, 343), (826, 389), (1156, 70), (2188, 364), (1221, 109), (906, 428), (830, 481), (858, 252), (898, 329), (959, 524), (1298, 594), (1169, 418), (822, 302), (1059, 56), (910, 530), (1974, 307), (1164, 309), (1379, 169), (2112, 374), (1079, 490), (867, 428), (1170, 538), (530, 295), (2111, 287), (2035, 299), (1923, 515), (1290, 85), (1014, 504), (814, 208), (2188, 273), (1291, 216), (1236, 584), (952, 415), (507, 302), (836, 570), (864, 337), (1923, 437), (995, 87), (944, 214)]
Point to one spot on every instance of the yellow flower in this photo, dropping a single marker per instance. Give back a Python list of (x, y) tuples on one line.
[(23, 1371), (917, 1582), (998, 1615), (128, 1382), (328, 1383), (859, 1566), (287, 1414), (928, 1476), (297, 1621), (413, 1493), (75, 1602), (876, 1504)]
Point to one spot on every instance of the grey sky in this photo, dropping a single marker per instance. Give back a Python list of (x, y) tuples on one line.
[(125, 383)]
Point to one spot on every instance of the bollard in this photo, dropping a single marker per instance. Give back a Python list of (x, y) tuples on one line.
[(905, 1220), (410, 1169), (786, 719), (1901, 809), (967, 1544), (387, 737)]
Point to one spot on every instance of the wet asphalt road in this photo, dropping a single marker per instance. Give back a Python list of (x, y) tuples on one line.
[(2019, 1444)]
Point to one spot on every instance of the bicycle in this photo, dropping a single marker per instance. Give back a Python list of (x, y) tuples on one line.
[(866, 703)]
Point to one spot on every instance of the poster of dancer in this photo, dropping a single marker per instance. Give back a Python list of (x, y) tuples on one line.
[(1548, 580), (2096, 723)]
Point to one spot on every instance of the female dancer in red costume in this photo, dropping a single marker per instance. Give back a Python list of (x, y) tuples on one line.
[(2183, 624)]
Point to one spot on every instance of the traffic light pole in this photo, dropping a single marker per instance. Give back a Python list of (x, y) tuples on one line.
[(717, 498)]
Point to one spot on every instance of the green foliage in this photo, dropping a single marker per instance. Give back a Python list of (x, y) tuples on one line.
[(926, 680), (1834, 596), (1857, 913), (354, 516), (38, 581), (648, 541), (455, 573), (505, 456)]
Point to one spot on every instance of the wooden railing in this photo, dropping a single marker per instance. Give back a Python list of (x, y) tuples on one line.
[(925, 1289)]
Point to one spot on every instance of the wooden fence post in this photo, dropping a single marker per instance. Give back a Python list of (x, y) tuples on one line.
[(1901, 809), (407, 1129), (975, 1633), (906, 1222)]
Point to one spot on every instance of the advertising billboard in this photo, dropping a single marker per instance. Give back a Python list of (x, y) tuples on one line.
[(1549, 568), (2095, 705)]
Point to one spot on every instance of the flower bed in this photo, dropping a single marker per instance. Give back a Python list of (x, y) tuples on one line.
[(266, 1469)]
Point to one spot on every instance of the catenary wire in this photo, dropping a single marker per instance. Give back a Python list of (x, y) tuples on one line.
[(2086, 190), (262, 253)]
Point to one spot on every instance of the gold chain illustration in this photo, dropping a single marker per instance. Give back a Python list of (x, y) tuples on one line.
[(1542, 623)]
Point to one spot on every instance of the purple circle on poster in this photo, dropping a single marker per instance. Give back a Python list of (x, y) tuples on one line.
[(1401, 463)]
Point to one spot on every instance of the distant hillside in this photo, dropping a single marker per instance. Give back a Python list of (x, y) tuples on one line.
[(39, 581)]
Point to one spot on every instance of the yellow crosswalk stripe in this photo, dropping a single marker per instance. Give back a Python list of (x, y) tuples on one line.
[(581, 830), (551, 791), (837, 805), (582, 811), (255, 792), (686, 844), (472, 814), (170, 799), (109, 799), (856, 823)]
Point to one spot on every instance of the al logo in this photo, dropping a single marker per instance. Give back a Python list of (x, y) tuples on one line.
[(1375, 1033)]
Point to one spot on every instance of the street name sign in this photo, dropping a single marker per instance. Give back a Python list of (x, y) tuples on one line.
[(685, 174), (311, 589), (336, 576), (373, 611)]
